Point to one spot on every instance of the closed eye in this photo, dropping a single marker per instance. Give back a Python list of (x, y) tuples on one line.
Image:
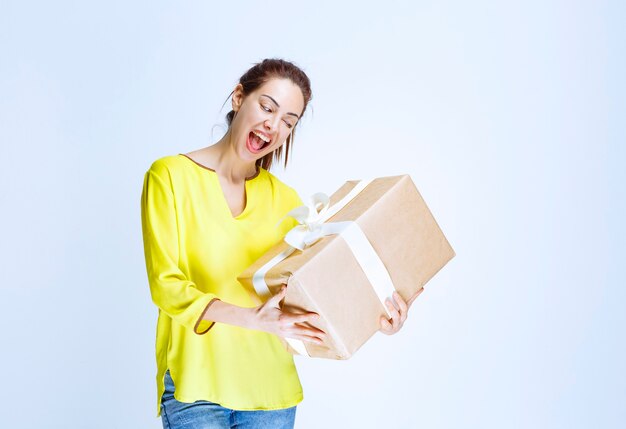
[(269, 110)]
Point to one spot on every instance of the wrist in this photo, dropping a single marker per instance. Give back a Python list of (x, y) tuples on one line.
[(249, 317)]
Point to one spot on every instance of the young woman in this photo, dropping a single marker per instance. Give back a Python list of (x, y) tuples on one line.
[(206, 216)]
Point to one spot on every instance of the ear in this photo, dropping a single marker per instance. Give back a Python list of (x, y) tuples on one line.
[(237, 97)]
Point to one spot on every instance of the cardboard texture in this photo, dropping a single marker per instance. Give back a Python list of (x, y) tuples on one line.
[(325, 278)]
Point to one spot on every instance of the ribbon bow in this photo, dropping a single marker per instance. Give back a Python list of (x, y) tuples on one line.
[(311, 226)]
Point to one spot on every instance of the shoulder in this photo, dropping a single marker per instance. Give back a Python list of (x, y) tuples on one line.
[(165, 166), (281, 190)]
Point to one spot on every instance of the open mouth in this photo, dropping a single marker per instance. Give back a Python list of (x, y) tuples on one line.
[(255, 143)]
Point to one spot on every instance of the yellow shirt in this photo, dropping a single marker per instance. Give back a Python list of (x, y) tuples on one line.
[(194, 250)]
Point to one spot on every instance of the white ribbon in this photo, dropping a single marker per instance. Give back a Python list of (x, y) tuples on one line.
[(312, 226)]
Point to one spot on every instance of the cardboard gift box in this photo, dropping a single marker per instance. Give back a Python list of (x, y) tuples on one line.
[(380, 236)]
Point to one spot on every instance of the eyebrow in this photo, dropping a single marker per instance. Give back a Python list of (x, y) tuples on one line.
[(278, 105)]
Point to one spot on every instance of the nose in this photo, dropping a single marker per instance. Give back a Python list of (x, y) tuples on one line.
[(270, 124)]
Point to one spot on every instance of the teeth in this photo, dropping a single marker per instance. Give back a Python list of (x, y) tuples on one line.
[(261, 136)]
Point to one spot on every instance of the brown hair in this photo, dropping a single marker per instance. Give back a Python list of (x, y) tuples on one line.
[(257, 76)]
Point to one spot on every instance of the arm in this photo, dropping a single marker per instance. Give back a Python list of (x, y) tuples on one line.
[(170, 289), (267, 317)]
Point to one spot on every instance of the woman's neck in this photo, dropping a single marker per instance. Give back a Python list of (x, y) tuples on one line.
[(227, 162)]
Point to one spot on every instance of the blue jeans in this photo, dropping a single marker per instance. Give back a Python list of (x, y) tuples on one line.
[(209, 415)]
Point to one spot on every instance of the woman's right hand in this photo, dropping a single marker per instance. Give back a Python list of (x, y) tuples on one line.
[(269, 317)]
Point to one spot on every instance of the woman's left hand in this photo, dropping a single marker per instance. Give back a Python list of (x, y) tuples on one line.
[(397, 316)]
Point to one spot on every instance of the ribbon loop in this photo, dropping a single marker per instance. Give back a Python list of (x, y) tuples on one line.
[(310, 219)]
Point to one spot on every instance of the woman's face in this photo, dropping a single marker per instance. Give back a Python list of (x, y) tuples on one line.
[(265, 118)]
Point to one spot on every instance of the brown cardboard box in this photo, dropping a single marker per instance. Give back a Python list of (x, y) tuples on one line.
[(327, 279)]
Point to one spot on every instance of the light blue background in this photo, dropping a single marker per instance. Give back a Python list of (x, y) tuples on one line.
[(508, 116)]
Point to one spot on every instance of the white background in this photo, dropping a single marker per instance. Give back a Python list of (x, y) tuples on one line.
[(507, 115)]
